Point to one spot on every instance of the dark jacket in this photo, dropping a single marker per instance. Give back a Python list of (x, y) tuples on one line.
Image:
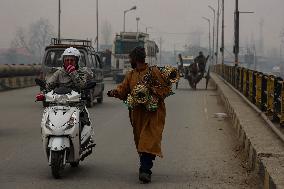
[(201, 61)]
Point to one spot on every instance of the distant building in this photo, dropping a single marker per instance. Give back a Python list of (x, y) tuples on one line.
[(105, 47)]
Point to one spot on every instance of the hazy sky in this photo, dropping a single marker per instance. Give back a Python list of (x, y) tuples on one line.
[(164, 16)]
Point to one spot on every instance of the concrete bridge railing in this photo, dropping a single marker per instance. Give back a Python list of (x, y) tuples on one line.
[(13, 76)]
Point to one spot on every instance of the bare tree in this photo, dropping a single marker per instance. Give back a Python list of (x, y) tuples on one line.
[(106, 32), (35, 39)]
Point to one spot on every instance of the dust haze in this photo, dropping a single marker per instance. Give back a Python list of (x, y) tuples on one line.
[(176, 22)]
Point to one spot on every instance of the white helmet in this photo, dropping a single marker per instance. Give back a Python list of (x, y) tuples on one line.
[(71, 51)]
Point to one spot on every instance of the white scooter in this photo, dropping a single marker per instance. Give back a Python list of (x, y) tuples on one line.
[(65, 138)]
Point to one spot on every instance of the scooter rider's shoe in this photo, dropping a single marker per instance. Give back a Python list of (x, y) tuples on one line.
[(91, 143)]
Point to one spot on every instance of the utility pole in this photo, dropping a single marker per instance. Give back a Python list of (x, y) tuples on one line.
[(223, 26), (97, 25), (59, 12), (237, 29), (237, 32), (217, 38)]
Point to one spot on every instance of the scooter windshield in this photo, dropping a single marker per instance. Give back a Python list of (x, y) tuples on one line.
[(62, 90)]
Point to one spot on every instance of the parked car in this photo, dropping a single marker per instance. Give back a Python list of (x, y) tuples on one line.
[(52, 60)]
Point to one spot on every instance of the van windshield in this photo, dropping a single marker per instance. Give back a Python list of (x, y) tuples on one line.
[(187, 61), (53, 58)]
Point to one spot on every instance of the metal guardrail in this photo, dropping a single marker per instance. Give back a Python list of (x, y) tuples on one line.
[(263, 90)]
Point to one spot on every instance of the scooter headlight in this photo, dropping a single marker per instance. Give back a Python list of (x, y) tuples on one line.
[(71, 121)]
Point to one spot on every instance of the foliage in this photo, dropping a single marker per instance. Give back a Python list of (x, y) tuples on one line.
[(35, 39)]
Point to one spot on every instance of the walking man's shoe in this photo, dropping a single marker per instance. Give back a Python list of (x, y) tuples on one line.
[(144, 177)]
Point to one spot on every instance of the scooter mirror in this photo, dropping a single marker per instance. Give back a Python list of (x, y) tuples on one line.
[(40, 82)]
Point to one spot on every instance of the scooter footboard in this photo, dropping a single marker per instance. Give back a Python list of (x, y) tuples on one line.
[(58, 143)]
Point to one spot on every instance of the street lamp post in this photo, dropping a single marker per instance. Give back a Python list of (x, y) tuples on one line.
[(209, 49), (217, 37), (59, 12), (133, 8), (137, 19), (213, 30)]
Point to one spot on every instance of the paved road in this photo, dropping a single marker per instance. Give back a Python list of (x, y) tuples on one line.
[(200, 150)]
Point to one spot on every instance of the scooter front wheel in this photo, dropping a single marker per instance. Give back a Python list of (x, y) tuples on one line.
[(57, 163)]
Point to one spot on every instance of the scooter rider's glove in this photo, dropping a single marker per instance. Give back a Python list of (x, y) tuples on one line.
[(70, 69), (40, 97)]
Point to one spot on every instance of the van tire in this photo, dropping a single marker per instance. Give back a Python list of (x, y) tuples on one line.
[(100, 99), (90, 102)]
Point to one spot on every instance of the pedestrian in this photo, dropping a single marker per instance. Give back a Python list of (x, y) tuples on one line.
[(201, 61), (147, 124)]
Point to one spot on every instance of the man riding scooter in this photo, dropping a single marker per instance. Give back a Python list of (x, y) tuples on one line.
[(71, 76), (65, 127)]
